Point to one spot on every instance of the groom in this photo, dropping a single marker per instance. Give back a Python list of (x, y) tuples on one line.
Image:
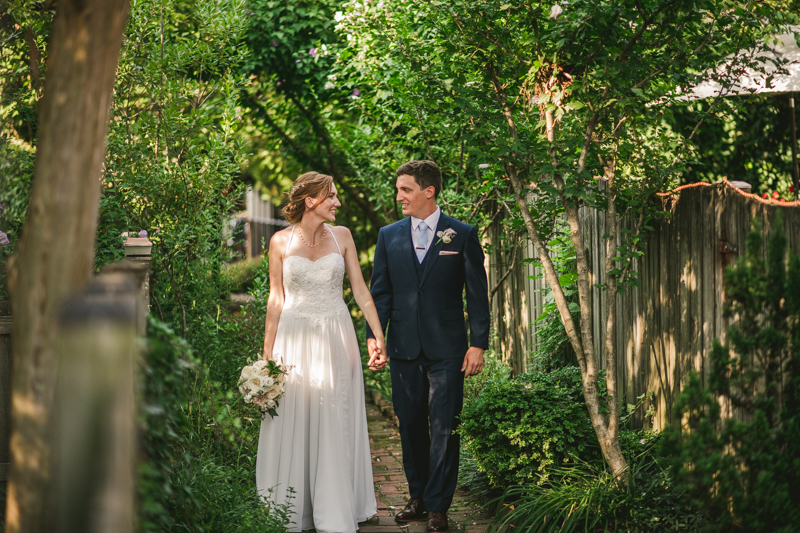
[(423, 264)]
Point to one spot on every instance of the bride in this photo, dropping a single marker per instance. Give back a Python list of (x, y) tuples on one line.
[(315, 454)]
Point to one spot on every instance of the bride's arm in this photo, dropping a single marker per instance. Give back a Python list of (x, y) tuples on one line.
[(277, 247), (360, 291)]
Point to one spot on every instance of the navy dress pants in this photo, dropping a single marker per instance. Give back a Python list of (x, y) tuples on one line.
[(428, 396)]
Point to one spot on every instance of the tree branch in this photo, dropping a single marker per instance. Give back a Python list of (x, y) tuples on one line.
[(510, 269)]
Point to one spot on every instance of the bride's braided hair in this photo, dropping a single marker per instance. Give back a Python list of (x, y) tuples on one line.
[(309, 185)]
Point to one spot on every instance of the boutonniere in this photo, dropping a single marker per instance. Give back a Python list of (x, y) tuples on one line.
[(446, 236)]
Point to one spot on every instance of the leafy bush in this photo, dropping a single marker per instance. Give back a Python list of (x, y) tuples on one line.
[(242, 274), (197, 471), (470, 475), (172, 158), (553, 349), (494, 370), (746, 471), (519, 429), (167, 372), (16, 173)]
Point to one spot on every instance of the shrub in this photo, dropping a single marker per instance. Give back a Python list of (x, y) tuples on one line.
[(518, 429), (470, 476), (165, 390), (16, 173), (745, 470), (198, 466), (494, 370)]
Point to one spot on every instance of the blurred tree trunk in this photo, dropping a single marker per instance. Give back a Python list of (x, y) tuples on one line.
[(55, 253)]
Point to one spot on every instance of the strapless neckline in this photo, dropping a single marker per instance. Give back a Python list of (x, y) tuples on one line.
[(313, 260)]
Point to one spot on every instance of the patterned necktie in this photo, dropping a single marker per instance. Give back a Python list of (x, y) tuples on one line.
[(421, 241)]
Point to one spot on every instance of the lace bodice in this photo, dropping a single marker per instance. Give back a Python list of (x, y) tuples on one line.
[(313, 289)]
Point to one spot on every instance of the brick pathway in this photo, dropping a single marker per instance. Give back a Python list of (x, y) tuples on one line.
[(391, 488)]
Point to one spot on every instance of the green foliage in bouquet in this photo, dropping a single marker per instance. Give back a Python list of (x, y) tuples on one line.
[(745, 470), (262, 386)]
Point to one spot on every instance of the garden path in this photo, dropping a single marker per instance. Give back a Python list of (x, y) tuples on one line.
[(391, 488)]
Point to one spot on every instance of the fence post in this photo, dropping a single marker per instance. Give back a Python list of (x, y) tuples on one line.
[(94, 432), (138, 250)]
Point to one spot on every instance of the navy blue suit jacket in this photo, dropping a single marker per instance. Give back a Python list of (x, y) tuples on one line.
[(427, 312)]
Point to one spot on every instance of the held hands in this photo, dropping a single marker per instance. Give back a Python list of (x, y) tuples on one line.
[(377, 354), (473, 362)]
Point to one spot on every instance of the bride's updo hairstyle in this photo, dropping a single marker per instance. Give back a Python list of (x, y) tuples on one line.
[(309, 185)]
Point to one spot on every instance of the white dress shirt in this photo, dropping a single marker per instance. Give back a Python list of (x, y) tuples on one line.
[(432, 221)]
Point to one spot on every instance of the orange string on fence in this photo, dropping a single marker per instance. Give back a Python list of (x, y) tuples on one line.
[(768, 201)]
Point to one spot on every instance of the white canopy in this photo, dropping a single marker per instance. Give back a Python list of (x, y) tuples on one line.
[(751, 81)]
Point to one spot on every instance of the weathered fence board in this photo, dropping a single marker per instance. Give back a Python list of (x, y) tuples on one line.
[(664, 328), (510, 304)]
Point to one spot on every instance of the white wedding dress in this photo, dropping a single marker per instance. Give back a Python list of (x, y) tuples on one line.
[(318, 444)]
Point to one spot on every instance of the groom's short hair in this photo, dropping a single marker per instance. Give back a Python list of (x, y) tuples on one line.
[(426, 174)]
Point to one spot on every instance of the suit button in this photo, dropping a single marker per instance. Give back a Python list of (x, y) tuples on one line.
[(420, 291)]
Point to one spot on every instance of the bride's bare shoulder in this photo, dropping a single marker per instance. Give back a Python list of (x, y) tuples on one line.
[(342, 234), (280, 239)]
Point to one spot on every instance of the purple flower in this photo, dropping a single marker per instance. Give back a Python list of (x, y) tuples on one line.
[(356, 93), (279, 84), (143, 234), (297, 61), (313, 52), (274, 43), (1, 205), (3, 239)]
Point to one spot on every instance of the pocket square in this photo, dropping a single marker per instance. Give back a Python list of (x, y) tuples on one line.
[(448, 252)]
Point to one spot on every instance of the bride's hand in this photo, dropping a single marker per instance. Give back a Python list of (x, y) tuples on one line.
[(377, 354)]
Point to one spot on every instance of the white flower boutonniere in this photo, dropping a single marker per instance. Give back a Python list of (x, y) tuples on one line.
[(446, 236)]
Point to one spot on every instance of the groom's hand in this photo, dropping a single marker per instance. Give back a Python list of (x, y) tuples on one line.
[(377, 355), (473, 362)]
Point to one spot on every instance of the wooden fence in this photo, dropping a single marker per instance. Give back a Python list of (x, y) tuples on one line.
[(262, 223), (664, 328), (97, 339)]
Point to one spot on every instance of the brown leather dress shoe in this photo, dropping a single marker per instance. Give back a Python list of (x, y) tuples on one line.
[(414, 510), (437, 521)]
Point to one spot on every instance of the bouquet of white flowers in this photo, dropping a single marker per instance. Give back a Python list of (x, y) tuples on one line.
[(262, 385)]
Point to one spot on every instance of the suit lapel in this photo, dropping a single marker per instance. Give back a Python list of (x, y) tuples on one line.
[(433, 252), (405, 247)]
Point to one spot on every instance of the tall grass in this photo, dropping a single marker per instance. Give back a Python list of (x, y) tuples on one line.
[(588, 498)]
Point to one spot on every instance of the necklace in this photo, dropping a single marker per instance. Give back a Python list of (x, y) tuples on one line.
[(324, 232)]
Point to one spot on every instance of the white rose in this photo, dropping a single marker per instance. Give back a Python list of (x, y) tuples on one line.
[(267, 381), (247, 372), (258, 365), (254, 383), (271, 404), (273, 393)]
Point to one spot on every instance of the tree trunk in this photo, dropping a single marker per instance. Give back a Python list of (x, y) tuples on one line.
[(55, 253), (607, 429)]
